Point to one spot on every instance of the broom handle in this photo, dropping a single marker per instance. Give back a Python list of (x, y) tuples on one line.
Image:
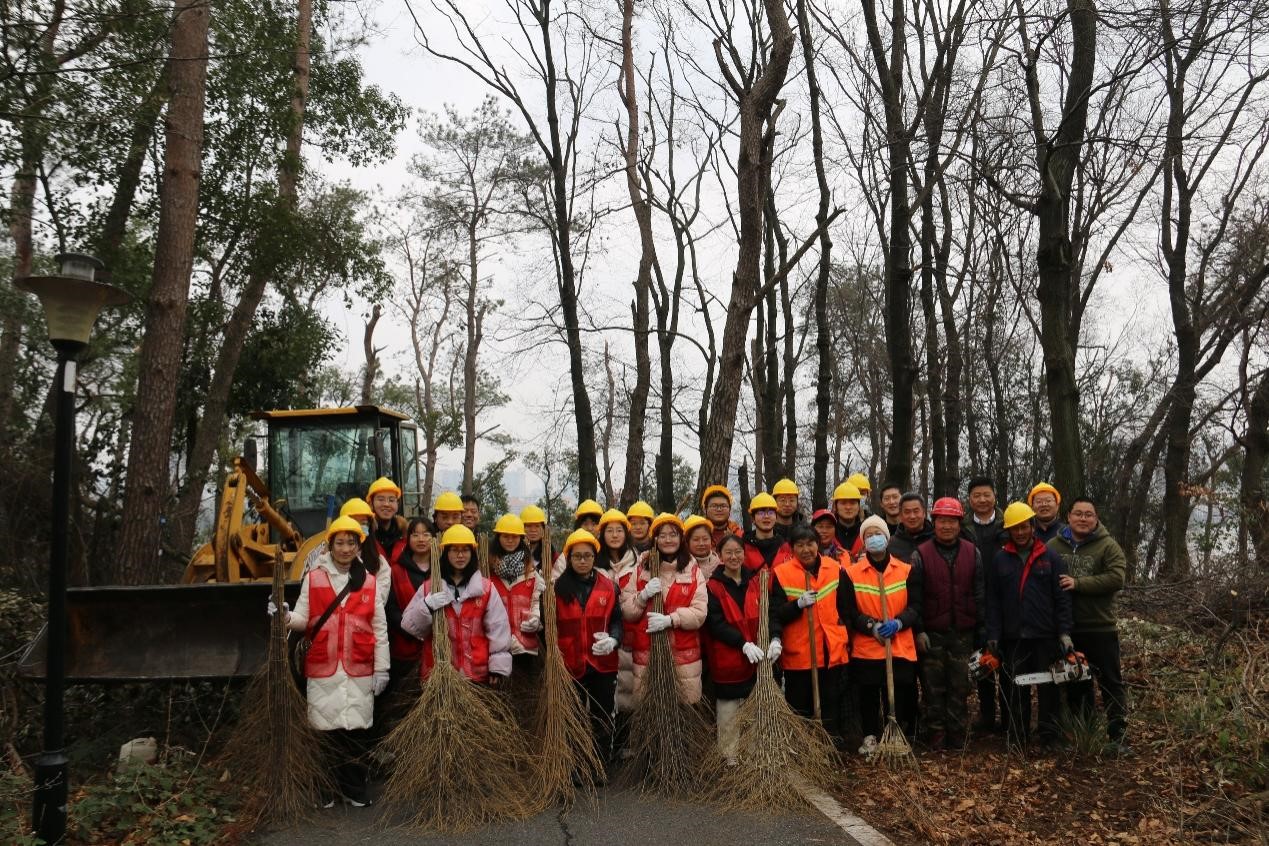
[(815, 669), (885, 617)]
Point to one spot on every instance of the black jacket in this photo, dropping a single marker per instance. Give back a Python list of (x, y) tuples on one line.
[(1038, 609), (903, 544)]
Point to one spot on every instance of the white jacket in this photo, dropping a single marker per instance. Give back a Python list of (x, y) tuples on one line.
[(340, 701)]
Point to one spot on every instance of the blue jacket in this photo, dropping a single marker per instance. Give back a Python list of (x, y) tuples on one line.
[(1037, 609)]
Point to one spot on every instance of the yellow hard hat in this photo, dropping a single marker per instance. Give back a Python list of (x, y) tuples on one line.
[(509, 524), (695, 521), (588, 507), (580, 536), (666, 519), (448, 501), (356, 507), (344, 524), (1017, 512), (612, 515), (458, 535), (1044, 487), (641, 509), (786, 487), (846, 490), (532, 514), (761, 500), (382, 485), (712, 490), (861, 483)]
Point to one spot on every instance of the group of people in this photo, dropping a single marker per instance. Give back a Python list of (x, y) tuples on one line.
[(849, 594)]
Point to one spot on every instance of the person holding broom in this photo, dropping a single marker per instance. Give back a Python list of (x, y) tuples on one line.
[(408, 573), (478, 629), (534, 521), (514, 576), (883, 605), (730, 637), (640, 516), (698, 534), (341, 611), (807, 630), (682, 588), (589, 632)]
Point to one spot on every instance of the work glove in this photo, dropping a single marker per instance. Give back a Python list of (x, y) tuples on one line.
[(1067, 645), (807, 599), (752, 652), (604, 644), (889, 629), (922, 643), (651, 589), (379, 682), (774, 649), (658, 622), (529, 625), (539, 584), (273, 609), (438, 599)]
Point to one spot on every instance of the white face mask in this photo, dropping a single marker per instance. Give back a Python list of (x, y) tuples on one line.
[(365, 527), (875, 543)]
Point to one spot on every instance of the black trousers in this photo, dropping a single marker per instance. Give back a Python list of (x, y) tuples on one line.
[(345, 751), (599, 692), (799, 693), (1102, 651), (870, 687), (1030, 655)]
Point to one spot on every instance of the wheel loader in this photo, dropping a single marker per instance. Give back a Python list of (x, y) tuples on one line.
[(213, 624)]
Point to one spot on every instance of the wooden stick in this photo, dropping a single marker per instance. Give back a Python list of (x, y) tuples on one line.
[(885, 618), (815, 669)]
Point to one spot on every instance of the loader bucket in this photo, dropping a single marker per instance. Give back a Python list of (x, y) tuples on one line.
[(147, 633)]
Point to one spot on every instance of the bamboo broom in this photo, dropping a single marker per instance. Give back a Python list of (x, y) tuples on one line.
[(893, 749), (568, 762), (671, 747), (815, 669), (461, 760), (778, 751), (274, 752)]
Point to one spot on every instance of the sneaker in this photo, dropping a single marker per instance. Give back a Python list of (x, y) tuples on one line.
[(326, 802), (357, 803), (870, 746)]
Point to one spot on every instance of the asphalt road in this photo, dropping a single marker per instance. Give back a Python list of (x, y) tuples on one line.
[(619, 817)]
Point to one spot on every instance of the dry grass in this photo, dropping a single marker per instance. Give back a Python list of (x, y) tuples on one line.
[(461, 762), (778, 749)]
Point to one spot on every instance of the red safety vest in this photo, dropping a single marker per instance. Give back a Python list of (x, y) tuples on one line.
[(347, 637), (577, 626), (519, 602), (468, 645), (727, 664), (685, 644), (755, 561), (403, 646)]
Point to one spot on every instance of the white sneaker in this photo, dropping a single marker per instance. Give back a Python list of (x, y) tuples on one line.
[(357, 803), (870, 746)]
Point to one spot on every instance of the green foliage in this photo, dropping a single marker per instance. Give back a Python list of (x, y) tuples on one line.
[(285, 345), (684, 482), (489, 488)]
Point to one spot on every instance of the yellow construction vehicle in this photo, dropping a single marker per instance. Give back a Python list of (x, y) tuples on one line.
[(212, 625)]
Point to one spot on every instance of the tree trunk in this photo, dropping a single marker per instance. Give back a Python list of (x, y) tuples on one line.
[(753, 173), (148, 481), (1255, 504), (372, 357), (475, 334), (235, 334)]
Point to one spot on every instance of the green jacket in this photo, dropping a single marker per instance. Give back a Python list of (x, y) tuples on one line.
[(1099, 567)]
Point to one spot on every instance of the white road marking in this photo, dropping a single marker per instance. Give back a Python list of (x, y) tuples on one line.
[(856, 828)]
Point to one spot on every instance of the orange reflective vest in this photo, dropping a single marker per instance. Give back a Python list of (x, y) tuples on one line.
[(868, 587), (831, 639)]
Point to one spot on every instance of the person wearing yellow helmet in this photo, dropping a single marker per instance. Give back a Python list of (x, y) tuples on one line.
[(861, 483), (471, 512), (343, 674), (763, 547), (447, 511), (698, 535), (1045, 500), (786, 495), (1029, 621), (477, 624), (587, 516), (731, 649), (847, 511), (514, 575), (534, 520), (388, 526), (640, 516), (617, 557), (716, 505), (679, 582), (409, 571)]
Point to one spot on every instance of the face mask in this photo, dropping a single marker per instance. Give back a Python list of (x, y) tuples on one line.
[(365, 527), (875, 543)]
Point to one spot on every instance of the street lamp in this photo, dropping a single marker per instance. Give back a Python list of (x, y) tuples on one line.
[(71, 300)]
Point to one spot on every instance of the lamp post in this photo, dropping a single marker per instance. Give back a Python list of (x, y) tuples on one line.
[(71, 300)]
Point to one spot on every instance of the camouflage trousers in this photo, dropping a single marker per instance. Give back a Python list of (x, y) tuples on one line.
[(945, 678)]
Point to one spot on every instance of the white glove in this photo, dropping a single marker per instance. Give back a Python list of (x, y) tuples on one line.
[(379, 683), (517, 648), (752, 652), (604, 644), (532, 624), (807, 599), (438, 599), (539, 584), (774, 649), (651, 589), (658, 622), (273, 609)]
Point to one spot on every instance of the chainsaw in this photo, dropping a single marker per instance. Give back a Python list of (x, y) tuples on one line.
[(1073, 668), (981, 665)]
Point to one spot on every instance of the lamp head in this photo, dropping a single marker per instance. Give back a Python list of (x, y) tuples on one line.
[(73, 299)]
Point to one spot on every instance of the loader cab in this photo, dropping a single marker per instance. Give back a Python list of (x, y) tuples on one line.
[(320, 458)]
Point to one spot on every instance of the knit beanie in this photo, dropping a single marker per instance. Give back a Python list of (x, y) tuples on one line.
[(876, 521)]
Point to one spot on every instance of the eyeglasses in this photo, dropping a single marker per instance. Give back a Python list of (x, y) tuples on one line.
[(1084, 515)]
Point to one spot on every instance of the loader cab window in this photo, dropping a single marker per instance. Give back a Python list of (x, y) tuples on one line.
[(310, 462), (409, 468)]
